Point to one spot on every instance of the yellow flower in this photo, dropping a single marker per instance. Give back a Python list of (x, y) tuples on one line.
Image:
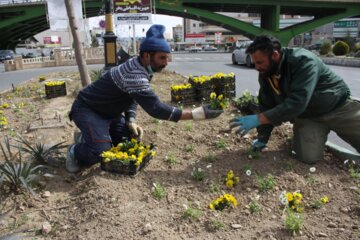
[(212, 95), (289, 197), (220, 97), (324, 199), (229, 183), (54, 83)]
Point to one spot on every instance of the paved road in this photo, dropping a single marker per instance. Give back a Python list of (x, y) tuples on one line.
[(16, 77)]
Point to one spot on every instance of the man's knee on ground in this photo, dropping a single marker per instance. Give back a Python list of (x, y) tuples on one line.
[(94, 151), (309, 157)]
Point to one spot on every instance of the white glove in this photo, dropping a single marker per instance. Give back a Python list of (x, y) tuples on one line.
[(204, 112), (136, 130)]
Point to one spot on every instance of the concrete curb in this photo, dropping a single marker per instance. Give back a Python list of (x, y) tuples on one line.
[(348, 62), (342, 153)]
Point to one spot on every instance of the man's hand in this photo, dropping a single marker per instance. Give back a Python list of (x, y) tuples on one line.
[(136, 130), (204, 112), (245, 123), (258, 145)]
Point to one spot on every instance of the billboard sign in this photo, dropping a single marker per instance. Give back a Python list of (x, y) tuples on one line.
[(217, 39), (133, 11), (195, 38), (348, 28), (52, 41)]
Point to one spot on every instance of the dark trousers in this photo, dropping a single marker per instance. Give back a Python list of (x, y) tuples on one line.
[(99, 133)]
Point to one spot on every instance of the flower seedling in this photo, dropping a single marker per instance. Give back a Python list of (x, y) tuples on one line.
[(230, 179), (224, 201), (188, 126), (254, 206), (191, 213), (293, 221), (218, 102), (214, 188), (217, 225), (171, 158), (198, 174), (221, 144), (265, 183), (158, 191), (319, 203)]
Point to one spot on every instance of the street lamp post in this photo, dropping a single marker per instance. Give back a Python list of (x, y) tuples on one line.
[(109, 37)]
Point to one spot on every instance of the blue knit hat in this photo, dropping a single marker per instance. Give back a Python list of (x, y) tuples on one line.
[(155, 41)]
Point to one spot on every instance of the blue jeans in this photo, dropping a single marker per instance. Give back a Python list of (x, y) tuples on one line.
[(99, 133)]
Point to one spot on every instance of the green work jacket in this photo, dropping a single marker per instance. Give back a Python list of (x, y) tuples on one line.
[(309, 88)]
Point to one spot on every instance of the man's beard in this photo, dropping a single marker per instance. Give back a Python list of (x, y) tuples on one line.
[(272, 69)]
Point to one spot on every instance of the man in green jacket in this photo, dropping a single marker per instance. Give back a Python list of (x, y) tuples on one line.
[(296, 86)]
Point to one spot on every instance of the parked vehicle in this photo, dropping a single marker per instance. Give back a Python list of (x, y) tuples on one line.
[(30, 55), (239, 55), (209, 48), (193, 49), (6, 55)]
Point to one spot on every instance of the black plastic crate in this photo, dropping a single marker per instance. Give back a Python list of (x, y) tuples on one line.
[(120, 167), (185, 96), (55, 91)]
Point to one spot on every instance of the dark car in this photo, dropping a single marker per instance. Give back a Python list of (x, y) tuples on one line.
[(6, 55), (30, 55)]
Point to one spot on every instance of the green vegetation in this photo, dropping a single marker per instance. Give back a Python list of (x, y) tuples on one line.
[(159, 191), (265, 183), (341, 48), (293, 220)]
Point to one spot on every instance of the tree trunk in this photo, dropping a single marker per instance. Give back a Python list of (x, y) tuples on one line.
[(84, 74)]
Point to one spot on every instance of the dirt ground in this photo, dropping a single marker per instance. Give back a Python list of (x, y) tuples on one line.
[(99, 205)]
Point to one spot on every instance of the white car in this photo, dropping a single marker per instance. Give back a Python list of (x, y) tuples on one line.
[(193, 49), (240, 57)]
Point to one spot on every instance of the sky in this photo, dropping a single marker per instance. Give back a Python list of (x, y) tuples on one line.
[(123, 30)]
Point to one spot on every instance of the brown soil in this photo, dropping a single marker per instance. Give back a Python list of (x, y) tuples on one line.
[(98, 205)]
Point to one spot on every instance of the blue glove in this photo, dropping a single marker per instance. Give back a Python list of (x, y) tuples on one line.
[(257, 145), (244, 123)]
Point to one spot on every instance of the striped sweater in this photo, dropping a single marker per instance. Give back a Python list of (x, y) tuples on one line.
[(121, 89)]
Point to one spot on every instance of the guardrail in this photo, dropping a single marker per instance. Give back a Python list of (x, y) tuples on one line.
[(60, 57)]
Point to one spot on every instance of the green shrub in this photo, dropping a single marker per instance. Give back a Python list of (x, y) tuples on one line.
[(340, 48), (325, 48), (351, 42)]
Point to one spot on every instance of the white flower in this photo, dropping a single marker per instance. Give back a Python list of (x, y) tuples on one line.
[(248, 172), (312, 169), (284, 201), (346, 161), (282, 198)]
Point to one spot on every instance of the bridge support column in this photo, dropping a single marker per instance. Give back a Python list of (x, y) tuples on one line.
[(270, 20)]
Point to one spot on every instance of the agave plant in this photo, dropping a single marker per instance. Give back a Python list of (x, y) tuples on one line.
[(39, 152), (19, 175), (14, 172), (96, 74)]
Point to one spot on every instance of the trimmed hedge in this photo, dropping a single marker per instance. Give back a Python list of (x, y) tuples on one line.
[(341, 48)]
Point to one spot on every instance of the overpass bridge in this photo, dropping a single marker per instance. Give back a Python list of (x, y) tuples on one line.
[(21, 19)]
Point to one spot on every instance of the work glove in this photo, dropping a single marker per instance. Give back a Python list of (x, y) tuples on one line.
[(244, 124), (136, 130), (257, 145), (204, 112)]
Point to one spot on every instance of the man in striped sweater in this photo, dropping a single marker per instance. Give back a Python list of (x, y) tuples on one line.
[(105, 111)]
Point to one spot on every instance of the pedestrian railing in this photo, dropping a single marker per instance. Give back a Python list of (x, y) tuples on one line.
[(59, 57)]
